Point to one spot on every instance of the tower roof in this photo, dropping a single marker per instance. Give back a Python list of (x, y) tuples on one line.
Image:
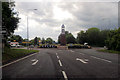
[(63, 26)]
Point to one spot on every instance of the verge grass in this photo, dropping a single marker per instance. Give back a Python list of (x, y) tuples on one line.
[(109, 51), (11, 54)]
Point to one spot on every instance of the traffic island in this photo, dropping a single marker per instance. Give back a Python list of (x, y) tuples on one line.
[(62, 47)]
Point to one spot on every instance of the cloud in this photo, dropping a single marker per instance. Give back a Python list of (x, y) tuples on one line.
[(77, 16)]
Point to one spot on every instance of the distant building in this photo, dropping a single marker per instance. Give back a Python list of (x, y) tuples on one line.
[(62, 36)]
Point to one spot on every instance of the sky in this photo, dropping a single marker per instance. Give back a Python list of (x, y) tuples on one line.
[(47, 20)]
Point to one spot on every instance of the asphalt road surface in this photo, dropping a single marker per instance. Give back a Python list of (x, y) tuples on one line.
[(72, 64)]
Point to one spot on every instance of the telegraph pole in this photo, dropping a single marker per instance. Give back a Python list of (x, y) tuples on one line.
[(28, 31)]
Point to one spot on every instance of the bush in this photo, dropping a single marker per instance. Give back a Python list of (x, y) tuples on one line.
[(113, 40)]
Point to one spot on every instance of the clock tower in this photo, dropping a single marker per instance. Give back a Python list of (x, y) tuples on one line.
[(62, 36)]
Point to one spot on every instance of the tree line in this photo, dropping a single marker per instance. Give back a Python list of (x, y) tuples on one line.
[(35, 41), (96, 37)]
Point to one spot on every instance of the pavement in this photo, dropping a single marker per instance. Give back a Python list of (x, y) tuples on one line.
[(71, 64)]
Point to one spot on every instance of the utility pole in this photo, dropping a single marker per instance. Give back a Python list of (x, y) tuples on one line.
[(27, 34), (28, 31)]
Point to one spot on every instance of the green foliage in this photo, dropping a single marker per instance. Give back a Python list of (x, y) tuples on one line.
[(18, 38), (113, 40), (9, 21), (49, 40), (35, 41), (109, 51), (82, 37), (93, 36), (10, 54), (59, 39), (43, 41), (69, 38)]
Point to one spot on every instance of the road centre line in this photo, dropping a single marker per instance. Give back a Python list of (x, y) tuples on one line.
[(82, 53), (101, 59), (81, 60), (35, 62), (72, 51), (17, 60), (64, 74), (60, 63), (58, 57), (56, 53)]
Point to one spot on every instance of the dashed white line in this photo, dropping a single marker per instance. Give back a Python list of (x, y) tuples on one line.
[(81, 53), (17, 60), (72, 51), (56, 53), (35, 62), (64, 74), (60, 63), (101, 59), (81, 60), (58, 57)]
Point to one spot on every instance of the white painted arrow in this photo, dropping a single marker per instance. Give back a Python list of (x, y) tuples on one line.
[(35, 61), (81, 60)]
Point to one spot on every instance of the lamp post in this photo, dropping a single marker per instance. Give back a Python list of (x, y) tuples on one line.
[(28, 30)]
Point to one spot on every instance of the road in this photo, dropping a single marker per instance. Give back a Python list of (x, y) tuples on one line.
[(72, 64)]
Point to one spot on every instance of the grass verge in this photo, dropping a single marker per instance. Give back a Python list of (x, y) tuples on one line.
[(12, 54), (109, 51)]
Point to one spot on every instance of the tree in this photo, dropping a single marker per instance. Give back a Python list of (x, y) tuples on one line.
[(35, 41), (93, 36), (49, 40), (43, 41), (59, 39), (32, 42), (10, 18), (113, 40), (103, 36), (69, 38), (17, 38), (81, 37)]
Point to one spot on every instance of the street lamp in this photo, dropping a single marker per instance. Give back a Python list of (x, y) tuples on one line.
[(28, 30)]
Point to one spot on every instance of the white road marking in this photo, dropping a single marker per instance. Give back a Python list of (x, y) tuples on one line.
[(56, 53), (35, 62), (81, 60), (17, 60), (64, 74), (101, 59), (81, 53), (33, 59), (86, 59), (72, 51), (60, 63), (58, 57)]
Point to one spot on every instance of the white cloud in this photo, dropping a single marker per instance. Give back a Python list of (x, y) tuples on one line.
[(77, 16), (59, 14)]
